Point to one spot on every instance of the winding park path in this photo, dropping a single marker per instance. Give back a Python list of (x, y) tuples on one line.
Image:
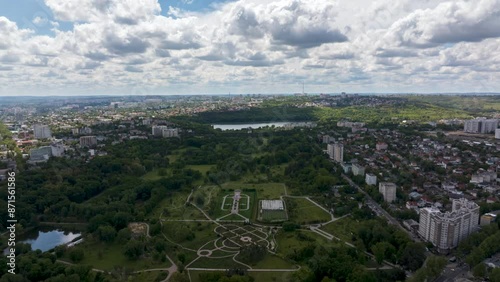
[(234, 235), (204, 252)]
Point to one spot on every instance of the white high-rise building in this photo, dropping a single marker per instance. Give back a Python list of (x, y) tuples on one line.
[(41, 131), (157, 130), (88, 141), (489, 125), (480, 125), (170, 132), (388, 190), (371, 179), (329, 150), (57, 149), (472, 126), (497, 133), (338, 152), (446, 230), (327, 139), (358, 169)]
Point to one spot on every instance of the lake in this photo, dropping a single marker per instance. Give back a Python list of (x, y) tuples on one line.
[(239, 126), (45, 240)]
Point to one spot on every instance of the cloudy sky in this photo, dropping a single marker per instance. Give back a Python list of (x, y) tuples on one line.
[(70, 47)]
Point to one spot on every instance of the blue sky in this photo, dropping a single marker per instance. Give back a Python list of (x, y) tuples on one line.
[(23, 12), (52, 47)]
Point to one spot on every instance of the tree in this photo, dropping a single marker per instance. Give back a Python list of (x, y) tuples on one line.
[(76, 255), (60, 250), (290, 226), (134, 249), (95, 222), (120, 220), (479, 270), (106, 233), (123, 235), (432, 269), (495, 275), (383, 250), (413, 256), (435, 265)]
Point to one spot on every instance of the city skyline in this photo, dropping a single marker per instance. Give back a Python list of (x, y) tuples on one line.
[(150, 47)]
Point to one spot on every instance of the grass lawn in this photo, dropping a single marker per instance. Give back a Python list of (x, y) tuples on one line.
[(270, 191), (270, 276), (271, 261), (205, 193), (195, 274), (150, 276), (173, 158), (276, 215), (248, 213), (342, 228), (290, 241), (175, 205), (232, 217), (222, 263), (203, 169), (181, 233), (184, 212), (106, 256), (303, 211), (154, 174)]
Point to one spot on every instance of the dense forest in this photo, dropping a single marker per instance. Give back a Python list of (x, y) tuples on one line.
[(391, 113), (270, 114)]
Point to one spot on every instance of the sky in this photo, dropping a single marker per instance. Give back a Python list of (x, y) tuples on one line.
[(151, 47)]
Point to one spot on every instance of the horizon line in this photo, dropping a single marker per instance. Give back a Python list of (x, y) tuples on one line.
[(264, 94)]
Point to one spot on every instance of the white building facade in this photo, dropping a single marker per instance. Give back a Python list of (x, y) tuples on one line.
[(41, 131), (358, 169), (388, 190), (338, 152), (371, 179), (446, 230)]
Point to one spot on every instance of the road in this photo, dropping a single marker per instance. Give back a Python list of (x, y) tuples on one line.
[(376, 207), (453, 273)]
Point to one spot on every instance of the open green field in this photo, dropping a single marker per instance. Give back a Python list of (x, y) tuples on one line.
[(184, 212), (415, 110), (203, 169), (173, 158), (107, 256), (342, 228), (232, 217), (267, 191), (221, 263), (467, 103), (174, 207), (289, 241), (271, 276), (152, 276), (303, 211), (155, 174), (273, 215), (158, 173), (220, 210), (192, 235), (271, 261)]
